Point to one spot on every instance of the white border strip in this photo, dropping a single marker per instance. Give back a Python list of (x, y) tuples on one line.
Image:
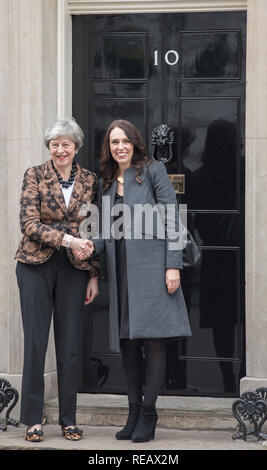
[(60, 58), (64, 60), (85, 7)]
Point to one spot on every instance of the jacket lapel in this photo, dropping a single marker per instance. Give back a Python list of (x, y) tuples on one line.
[(107, 218), (56, 191), (54, 186), (111, 193), (78, 189)]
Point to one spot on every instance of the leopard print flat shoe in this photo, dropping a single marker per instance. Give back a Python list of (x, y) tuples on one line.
[(36, 435), (72, 434)]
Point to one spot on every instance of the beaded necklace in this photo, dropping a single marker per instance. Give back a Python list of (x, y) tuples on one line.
[(66, 183)]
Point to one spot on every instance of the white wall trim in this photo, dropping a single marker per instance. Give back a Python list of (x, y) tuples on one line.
[(60, 58), (86, 7), (64, 60)]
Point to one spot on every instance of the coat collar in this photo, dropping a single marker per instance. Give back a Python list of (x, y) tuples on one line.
[(129, 175), (111, 192), (55, 188)]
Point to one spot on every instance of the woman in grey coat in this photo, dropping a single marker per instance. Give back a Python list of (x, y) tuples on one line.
[(146, 301)]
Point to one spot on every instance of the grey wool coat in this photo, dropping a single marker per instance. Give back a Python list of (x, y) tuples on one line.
[(153, 313)]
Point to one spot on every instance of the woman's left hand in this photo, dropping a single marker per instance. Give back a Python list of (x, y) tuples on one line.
[(91, 291), (172, 280)]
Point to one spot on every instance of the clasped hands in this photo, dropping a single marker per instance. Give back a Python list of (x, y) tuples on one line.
[(82, 248)]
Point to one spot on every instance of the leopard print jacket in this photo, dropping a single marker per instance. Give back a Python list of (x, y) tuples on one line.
[(44, 217)]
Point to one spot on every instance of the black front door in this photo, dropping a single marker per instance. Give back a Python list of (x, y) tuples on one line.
[(187, 71)]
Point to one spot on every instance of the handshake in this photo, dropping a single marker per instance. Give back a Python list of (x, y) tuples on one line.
[(82, 249)]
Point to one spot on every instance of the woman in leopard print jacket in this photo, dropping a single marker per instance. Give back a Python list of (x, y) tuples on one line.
[(50, 277)]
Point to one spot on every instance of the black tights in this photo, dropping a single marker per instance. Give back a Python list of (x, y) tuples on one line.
[(155, 360)]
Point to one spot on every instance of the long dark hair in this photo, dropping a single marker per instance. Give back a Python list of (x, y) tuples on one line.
[(108, 166)]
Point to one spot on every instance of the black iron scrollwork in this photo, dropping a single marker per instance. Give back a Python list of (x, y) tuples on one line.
[(162, 141), (8, 398), (251, 407)]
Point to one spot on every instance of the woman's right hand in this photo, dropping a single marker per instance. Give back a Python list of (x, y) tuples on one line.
[(82, 248), (78, 244)]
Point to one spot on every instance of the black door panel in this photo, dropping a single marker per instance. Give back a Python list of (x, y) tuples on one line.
[(187, 71)]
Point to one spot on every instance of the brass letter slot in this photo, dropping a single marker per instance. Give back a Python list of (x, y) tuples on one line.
[(178, 182)]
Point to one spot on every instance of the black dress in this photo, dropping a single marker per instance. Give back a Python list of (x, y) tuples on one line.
[(121, 269)]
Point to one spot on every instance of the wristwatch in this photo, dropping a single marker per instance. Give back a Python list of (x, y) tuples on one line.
[(67, 240)]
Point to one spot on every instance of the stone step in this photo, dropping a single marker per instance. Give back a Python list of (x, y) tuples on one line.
[(185, 413)]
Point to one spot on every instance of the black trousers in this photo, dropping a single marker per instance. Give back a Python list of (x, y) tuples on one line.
[(54, 287)]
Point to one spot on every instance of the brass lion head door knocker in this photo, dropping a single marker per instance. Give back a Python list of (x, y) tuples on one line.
[(162, 150), (162, 142)]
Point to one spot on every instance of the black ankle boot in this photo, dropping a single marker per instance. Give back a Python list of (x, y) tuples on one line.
[(126, 432), (146, 424)]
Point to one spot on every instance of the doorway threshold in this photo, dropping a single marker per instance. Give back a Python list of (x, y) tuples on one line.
[(178, 412)]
